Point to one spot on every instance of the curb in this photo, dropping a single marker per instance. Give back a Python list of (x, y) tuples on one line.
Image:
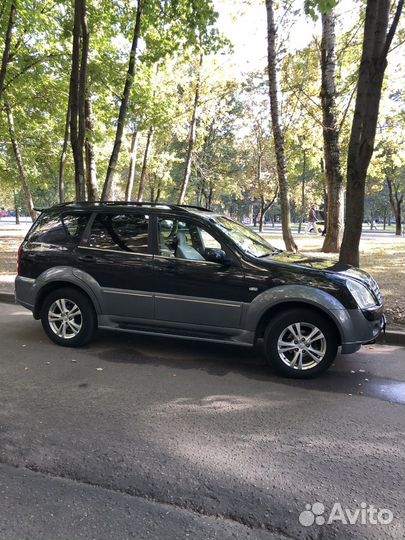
[(7, 297), (391, 337)]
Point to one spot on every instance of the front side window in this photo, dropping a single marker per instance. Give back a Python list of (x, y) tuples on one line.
[(120, 232), (58, 230), (185, 240)]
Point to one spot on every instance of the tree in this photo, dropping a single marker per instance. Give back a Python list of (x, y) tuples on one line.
[(124, 105), (192, 134), (376, 44), (20, 162), (91, 174), (279, 143), (132, 164), (396, 190), (145, 164), (78, 79), (333, 173), (7, 45)]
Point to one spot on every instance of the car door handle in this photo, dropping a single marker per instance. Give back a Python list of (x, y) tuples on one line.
[(87, 258)]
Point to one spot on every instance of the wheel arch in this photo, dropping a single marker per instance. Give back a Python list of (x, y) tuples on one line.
[(283, 306), (53, 285)]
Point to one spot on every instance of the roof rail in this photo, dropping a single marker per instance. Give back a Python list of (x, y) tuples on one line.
[(132, 203)]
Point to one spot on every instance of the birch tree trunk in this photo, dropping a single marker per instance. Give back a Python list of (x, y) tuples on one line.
[(7, 45), (331, 146), (91, 170), (123, 107), (376, 44), (279, 143), (20, 162), (132, 165), (145, 165), (191, 136)]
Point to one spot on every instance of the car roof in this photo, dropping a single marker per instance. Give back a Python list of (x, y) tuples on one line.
[(125, 206)]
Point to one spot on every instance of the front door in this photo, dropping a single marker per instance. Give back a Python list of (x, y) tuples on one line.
[(117, 255), (189, 288)]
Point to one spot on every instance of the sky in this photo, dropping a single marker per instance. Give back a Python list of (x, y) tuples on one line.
[(244, 23)]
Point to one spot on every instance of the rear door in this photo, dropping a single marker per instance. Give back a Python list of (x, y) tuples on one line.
[(190, 289), (117, 254)]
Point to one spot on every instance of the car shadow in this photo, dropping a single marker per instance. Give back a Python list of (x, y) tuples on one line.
[(220, 359)]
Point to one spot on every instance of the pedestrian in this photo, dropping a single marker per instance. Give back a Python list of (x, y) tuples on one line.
[(311, 224)]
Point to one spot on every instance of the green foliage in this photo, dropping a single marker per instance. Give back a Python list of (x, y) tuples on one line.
[(231, 109), (314, 7)]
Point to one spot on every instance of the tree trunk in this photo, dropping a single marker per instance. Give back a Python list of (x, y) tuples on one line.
[(20, 162), (376, 44), (63, 156), (261, 215), (17, 211), (91, 170), (277, 132), (304, 166), (191, 137), (331, 146), (398, 220), (396, 203), (7, 45), (145, 165), (132, 165), (123, 107), (77, 95)]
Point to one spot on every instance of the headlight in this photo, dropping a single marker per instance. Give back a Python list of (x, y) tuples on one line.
[(361, 294)]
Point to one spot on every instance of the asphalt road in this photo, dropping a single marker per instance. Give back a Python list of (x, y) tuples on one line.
[(139, 437)]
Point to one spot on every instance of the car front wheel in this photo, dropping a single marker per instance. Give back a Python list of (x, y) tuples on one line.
[(300, 343), (68, 317)]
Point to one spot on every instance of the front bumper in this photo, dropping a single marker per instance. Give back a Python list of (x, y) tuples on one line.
[(362, 330)]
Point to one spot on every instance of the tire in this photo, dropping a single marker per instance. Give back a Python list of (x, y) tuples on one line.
[(79, 326), (288, 349)]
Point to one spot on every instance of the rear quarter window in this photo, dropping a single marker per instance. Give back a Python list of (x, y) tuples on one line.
[(58, 230)]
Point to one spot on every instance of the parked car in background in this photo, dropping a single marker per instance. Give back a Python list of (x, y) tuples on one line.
[(187, 272)]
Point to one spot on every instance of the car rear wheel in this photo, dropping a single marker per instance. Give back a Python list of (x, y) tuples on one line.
[(68, 317), (300, 343)]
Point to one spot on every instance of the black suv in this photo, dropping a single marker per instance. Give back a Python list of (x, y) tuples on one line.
[(187, 272)]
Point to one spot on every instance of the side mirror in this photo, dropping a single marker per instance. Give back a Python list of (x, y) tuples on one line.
[(216, 255)]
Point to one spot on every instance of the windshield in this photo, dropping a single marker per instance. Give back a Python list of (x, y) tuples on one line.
[(246, 239)]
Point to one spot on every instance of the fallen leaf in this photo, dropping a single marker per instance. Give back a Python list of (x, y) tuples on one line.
[(74, 361), (99, 369)]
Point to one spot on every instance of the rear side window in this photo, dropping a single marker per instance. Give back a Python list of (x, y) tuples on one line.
[(120, 232), (56, 230)]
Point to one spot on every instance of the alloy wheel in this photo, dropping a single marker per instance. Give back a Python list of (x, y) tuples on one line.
[(301, 346), (65, 318)]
